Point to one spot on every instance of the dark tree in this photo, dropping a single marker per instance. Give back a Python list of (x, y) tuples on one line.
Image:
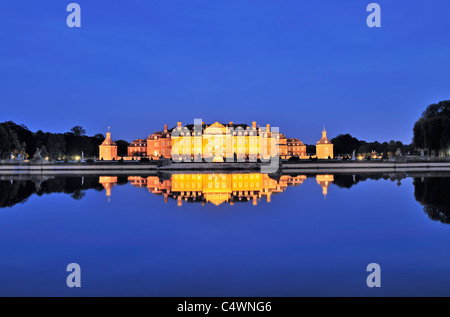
[(432, 130), (44, 152), (310, 148), (122, 147), (5, 143), (78, 131), (21, 140), (345, 144), (56, 146), (432, 193)]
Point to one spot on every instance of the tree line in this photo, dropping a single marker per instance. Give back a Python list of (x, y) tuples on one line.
[(18, 140), (345, 144)]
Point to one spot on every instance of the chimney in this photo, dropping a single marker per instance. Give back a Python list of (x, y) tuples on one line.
[(254, 124), (268, 127), (165, 128), (203, 123), (231, 123), (179, 124)]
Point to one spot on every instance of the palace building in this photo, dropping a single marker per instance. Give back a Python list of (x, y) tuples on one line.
[(137, 148), (223, 141), (108, 149), (296, 147), (160, 144), (218, 142)]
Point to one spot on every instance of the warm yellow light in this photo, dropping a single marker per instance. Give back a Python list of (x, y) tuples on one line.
[(360, 158), (46, 158), (77, 158)]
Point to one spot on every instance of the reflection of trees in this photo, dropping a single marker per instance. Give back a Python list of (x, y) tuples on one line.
[(345, 180), (69, 185), (348, 180), (432, 193), (16, 191), (78, 194)]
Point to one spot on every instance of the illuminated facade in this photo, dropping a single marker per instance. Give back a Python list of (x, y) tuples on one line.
[(108, 149), (296, 148), (160, 144), (324, 148), (217, 142), (283, 147), (223, 142), (137, 148)]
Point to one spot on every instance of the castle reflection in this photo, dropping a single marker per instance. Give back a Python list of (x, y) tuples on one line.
[(108, 182), (217, 188)]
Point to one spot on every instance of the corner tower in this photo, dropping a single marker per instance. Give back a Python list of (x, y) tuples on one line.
[(324, 148), (108, 149)]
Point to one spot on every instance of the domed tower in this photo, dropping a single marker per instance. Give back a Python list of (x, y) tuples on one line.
[(324, 148), (108, 149)]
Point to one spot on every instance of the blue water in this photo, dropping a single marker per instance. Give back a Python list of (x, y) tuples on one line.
[(299, 244)]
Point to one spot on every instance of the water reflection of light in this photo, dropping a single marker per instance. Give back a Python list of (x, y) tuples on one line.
[(217, 188), (108, 182)]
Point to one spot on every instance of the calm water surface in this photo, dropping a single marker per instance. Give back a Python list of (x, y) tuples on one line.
[(225, 234)]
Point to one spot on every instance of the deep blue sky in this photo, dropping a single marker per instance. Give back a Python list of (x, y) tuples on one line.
[(135, 65)]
